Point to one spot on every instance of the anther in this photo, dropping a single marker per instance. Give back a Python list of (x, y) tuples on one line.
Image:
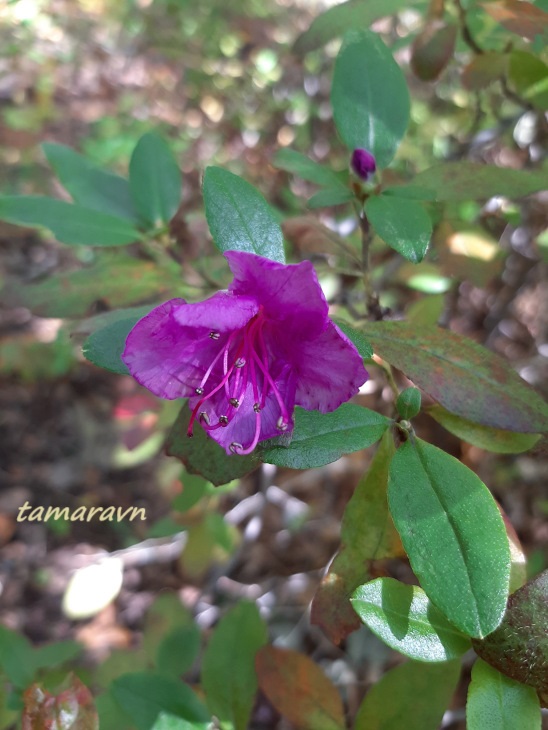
[(199, 391), (257, 408), (214, 335), (223, 420), (240, 362), (281, 425), (234, 402), (235, 446), (204, 417)]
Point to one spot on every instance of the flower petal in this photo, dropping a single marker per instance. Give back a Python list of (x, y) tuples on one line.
[(289, 294), (170, 349), (329, 371)]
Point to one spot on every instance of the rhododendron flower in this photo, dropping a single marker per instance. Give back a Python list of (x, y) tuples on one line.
[(245, 357), (363, 163)]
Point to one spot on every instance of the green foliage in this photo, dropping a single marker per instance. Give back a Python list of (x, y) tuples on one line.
[(228, 670), (497, 702), (443, 513), (238, 216), (369, 97), (320, 438), (404, 618), (408, 403), (402, 223)]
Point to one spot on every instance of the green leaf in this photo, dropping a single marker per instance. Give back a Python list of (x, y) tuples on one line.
[(71, 224), (496, 702), (453, 533), (412, 696), (154, 180), (238, 216), (485, 437), (367, 534), (404, 618), (408, 403), (519, 647), (403, 224), (369, 96), (90, 185), (320, 438), (337, 20), (52, 655), (484, 70), (228, 669), (307, 169), (411, 192), (104, 348), (361, 344), (194, 488), (528, 75), (111, 715), (16, 657), (72, 294), (464, 377), (457, 181), (178, 650), (143, 696), (201, 455), (299, 690), (330, 196)]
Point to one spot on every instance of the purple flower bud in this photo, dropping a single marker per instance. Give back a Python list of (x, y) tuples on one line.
[(363, 163)]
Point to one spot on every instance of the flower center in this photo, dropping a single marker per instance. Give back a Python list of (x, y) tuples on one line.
[(245, 362)]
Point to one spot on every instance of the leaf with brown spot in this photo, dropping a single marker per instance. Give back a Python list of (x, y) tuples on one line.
[(519, 646), (299, 690), (433, 49), (464, 377), (367, 534), (524, 19), (71, 709)]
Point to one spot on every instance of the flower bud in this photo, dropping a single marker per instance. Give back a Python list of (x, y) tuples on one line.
[(363, 163)]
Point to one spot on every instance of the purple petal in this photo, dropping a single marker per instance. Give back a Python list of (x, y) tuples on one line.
[(289, 294), (363, 163), (170, 349), (329, 371)]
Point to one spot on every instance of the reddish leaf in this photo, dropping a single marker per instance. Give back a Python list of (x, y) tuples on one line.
[(524, 19), (299, 689), (71, 709), (464, 377), (367, 534), (519, 647), (484, 70), (433, 49)]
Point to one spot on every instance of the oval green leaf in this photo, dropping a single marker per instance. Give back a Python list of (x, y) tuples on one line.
[(320, 438), (307, 169), (337, 20), (454, 535), (496, 702), (299, 689), (239, 217), (154, 180), (88, 184), (404, 618), (228, 671), (144, 696), (457, 181), (71, 224), (369, 96), (412, 696), (330, 196), (402, 223), (484, 437), (104, 348), (464, 377)]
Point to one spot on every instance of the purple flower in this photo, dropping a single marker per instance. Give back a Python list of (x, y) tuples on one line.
[(363, 163), (245, 357)]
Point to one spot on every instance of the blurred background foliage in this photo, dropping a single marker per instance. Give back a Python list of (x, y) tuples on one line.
[(222, 83)]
